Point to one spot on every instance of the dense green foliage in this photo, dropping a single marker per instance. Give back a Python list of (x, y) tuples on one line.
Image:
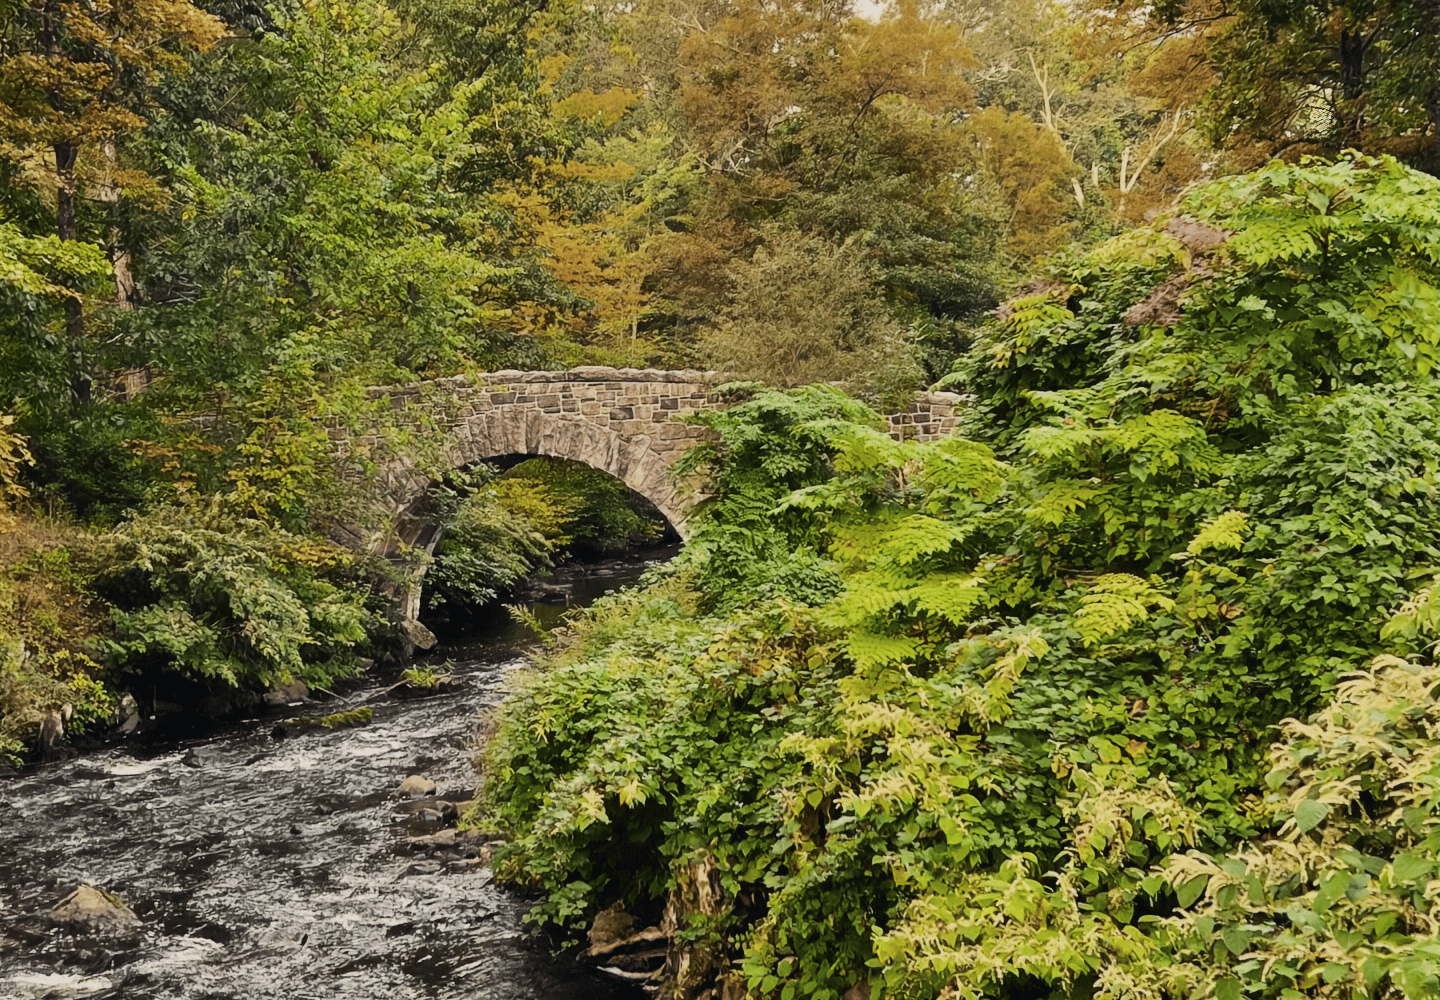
[(492, 540), (223, 600), (46, 618), (1025, 670), (594, 513), (764, 448), (38, 274), (1341, 902), (500, 529)]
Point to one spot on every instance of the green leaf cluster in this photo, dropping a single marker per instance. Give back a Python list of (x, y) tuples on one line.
[(764, 446), (38, 275), (595, 513), (493, 538), (1341, 901)]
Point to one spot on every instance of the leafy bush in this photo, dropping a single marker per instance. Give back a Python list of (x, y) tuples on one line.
[(765, 445), (227, 601), (597, 513), (488, 545), (668, 693), (1049, 656), (48, 637), (1341, 901), (46, 622)]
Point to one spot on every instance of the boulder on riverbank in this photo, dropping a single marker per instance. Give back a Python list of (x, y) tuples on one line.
[(51, 742), (416, 786), (621, 950)]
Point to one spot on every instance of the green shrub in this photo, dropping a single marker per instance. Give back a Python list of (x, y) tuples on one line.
[(48, 627), (487, 547), (1340, 902), (596, 512), (766, 445), (227, 601)]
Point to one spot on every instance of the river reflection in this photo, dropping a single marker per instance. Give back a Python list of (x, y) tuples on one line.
[(267, 865)]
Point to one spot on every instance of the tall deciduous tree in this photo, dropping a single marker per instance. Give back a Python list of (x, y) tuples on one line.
[(802, 310), (1299, 76), (74, 80), (341, 216), (1031, 170), (843, 129), (1120, 107)]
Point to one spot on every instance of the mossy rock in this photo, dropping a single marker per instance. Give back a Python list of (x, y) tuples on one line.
[(338, 720)]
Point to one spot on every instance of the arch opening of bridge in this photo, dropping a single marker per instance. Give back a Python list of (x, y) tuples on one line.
[(624, 422), (506, 438)]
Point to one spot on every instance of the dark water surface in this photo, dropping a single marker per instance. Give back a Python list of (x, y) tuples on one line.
[(268, 866)]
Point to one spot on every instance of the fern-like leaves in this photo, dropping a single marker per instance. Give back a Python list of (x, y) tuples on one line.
[(1116, 603)]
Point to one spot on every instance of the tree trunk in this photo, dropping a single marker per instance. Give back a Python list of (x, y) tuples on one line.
[(67, 225), (1432, 106), (1352, 86)]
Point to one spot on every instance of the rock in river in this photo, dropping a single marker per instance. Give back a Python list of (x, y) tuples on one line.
[(95, 911), (416, 786)]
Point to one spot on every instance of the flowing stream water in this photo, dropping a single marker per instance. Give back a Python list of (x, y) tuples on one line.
[(267, 862)]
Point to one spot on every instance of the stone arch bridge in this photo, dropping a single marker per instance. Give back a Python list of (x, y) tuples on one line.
[(622, 421)]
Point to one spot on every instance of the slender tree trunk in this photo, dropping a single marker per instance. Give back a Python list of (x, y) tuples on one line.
[(120, 263), (67, 225), (1432, 105), (1352, 65), (1352, 86), (1432, 111)]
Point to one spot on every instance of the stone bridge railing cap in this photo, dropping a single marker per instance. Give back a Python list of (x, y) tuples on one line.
[(584, 373)]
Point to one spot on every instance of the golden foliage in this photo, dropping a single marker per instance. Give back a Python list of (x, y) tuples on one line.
[(13, 456), (70, 76), (1031, 171)]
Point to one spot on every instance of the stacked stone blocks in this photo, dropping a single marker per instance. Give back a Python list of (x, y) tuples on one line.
[(622, 421)]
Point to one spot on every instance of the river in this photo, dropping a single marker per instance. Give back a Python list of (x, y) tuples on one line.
[(274, 863)]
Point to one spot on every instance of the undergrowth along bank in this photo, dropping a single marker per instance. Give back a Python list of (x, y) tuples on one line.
[(988, 717)]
